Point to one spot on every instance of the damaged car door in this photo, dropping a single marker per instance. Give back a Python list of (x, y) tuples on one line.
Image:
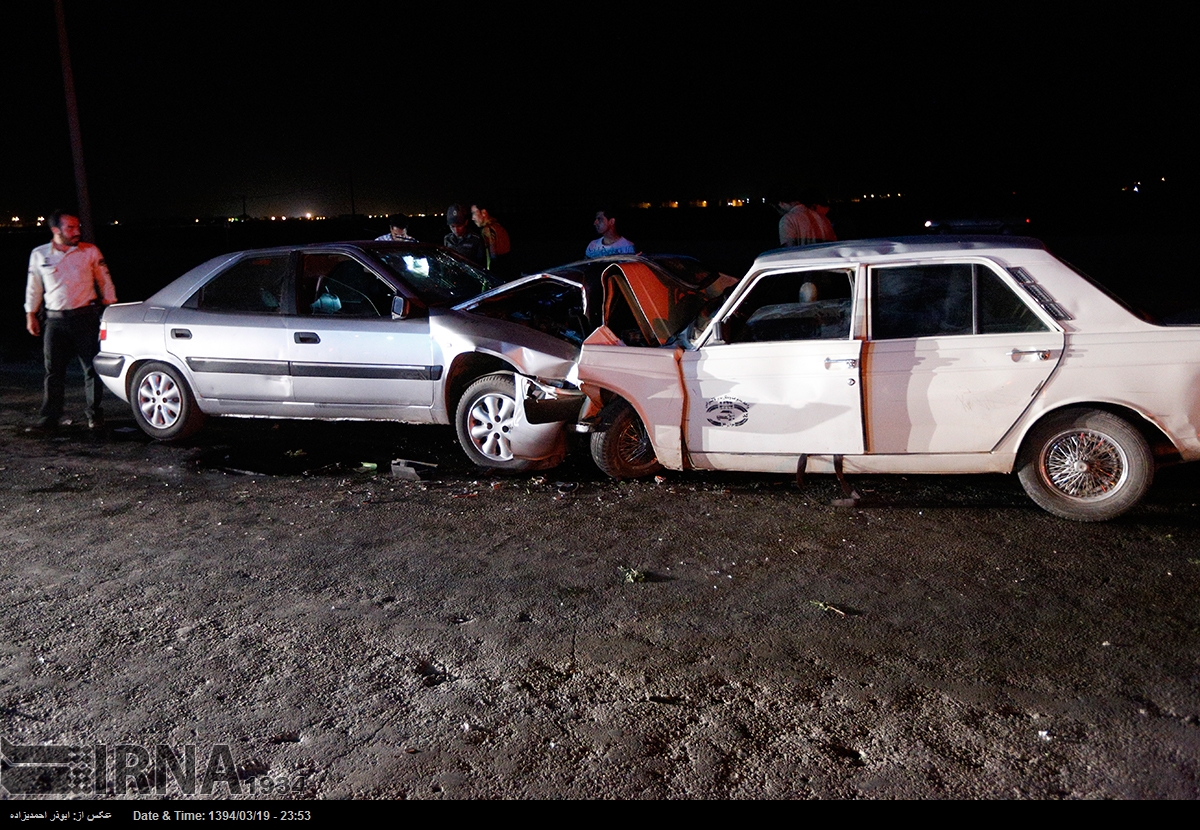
[(778, 376)]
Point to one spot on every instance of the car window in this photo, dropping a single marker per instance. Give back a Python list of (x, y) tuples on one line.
[(436, 277), (252, 285), (1000, 310), (341, 286), (945, 299), (801, 305)]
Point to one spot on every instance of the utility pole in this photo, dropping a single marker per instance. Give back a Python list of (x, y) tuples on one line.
[(81, 191)]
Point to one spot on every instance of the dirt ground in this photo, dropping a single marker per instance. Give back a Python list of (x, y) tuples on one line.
[(349, 634)]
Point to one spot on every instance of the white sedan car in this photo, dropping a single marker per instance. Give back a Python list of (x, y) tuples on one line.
[(341, 331), (919, 355)]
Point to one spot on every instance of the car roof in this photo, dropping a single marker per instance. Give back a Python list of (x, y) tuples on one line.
[(179, 289), (1090, 307), (900, 246)]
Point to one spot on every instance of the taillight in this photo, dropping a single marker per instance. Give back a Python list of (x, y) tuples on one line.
[(103, 331)]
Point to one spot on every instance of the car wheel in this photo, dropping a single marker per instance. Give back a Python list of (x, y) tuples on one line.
[(1086, 465), (624, 449), (162, 404), (485, 420)]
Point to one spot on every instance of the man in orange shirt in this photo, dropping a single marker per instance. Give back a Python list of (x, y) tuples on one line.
[(495, 239)]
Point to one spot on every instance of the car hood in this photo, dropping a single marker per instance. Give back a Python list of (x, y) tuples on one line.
[(644, 304)]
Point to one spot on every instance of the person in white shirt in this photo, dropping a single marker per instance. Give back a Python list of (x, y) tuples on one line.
[(69, 284), (610, 242), (398, 222)]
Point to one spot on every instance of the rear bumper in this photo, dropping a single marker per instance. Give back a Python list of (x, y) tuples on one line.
[(109, 365)]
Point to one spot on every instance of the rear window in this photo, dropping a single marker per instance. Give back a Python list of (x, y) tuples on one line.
[(250, 286)]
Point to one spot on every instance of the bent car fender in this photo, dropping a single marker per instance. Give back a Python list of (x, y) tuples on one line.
[(647, 377)]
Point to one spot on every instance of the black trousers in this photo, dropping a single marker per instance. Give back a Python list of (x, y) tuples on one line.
[(66, 335)]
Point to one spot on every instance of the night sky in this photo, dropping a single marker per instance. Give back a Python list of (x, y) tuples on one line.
[(186, 112)]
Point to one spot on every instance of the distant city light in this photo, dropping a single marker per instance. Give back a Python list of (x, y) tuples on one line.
[(16, 218), (308, 216)]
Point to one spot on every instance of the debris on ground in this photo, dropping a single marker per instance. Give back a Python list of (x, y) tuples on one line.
[(631, 574), (825, 606), (406, 470)]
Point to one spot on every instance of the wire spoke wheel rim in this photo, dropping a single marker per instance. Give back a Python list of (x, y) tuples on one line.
[(1084, 464), (633, 444)]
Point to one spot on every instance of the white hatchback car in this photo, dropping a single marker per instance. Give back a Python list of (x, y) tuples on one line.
[(917, 355)]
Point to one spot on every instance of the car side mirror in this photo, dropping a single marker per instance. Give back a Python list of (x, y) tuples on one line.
[(401, 308), (719, 332)]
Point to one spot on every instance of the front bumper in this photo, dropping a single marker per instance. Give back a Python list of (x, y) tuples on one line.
[(547, 404)]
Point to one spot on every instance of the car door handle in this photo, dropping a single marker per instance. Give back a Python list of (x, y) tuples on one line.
[(307, 337), (851, 362), (1040, 354), (181, 334)]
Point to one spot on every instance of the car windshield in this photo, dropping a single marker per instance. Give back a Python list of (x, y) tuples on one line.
[(438, 278)]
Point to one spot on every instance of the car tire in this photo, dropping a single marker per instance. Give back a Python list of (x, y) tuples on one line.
[(162, 404), (486, 415), (624, 449), (1086, 465)]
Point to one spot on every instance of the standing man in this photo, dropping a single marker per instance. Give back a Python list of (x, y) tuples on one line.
[(803, 225), (461, 239), (495, 240), (610, 242), (398, 223), (69, 281)]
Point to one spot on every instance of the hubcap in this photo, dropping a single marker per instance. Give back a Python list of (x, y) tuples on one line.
[(159, 400), (1084, 465), (490, 423)]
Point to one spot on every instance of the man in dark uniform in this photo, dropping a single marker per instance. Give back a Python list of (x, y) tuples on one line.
[(461, 239)]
